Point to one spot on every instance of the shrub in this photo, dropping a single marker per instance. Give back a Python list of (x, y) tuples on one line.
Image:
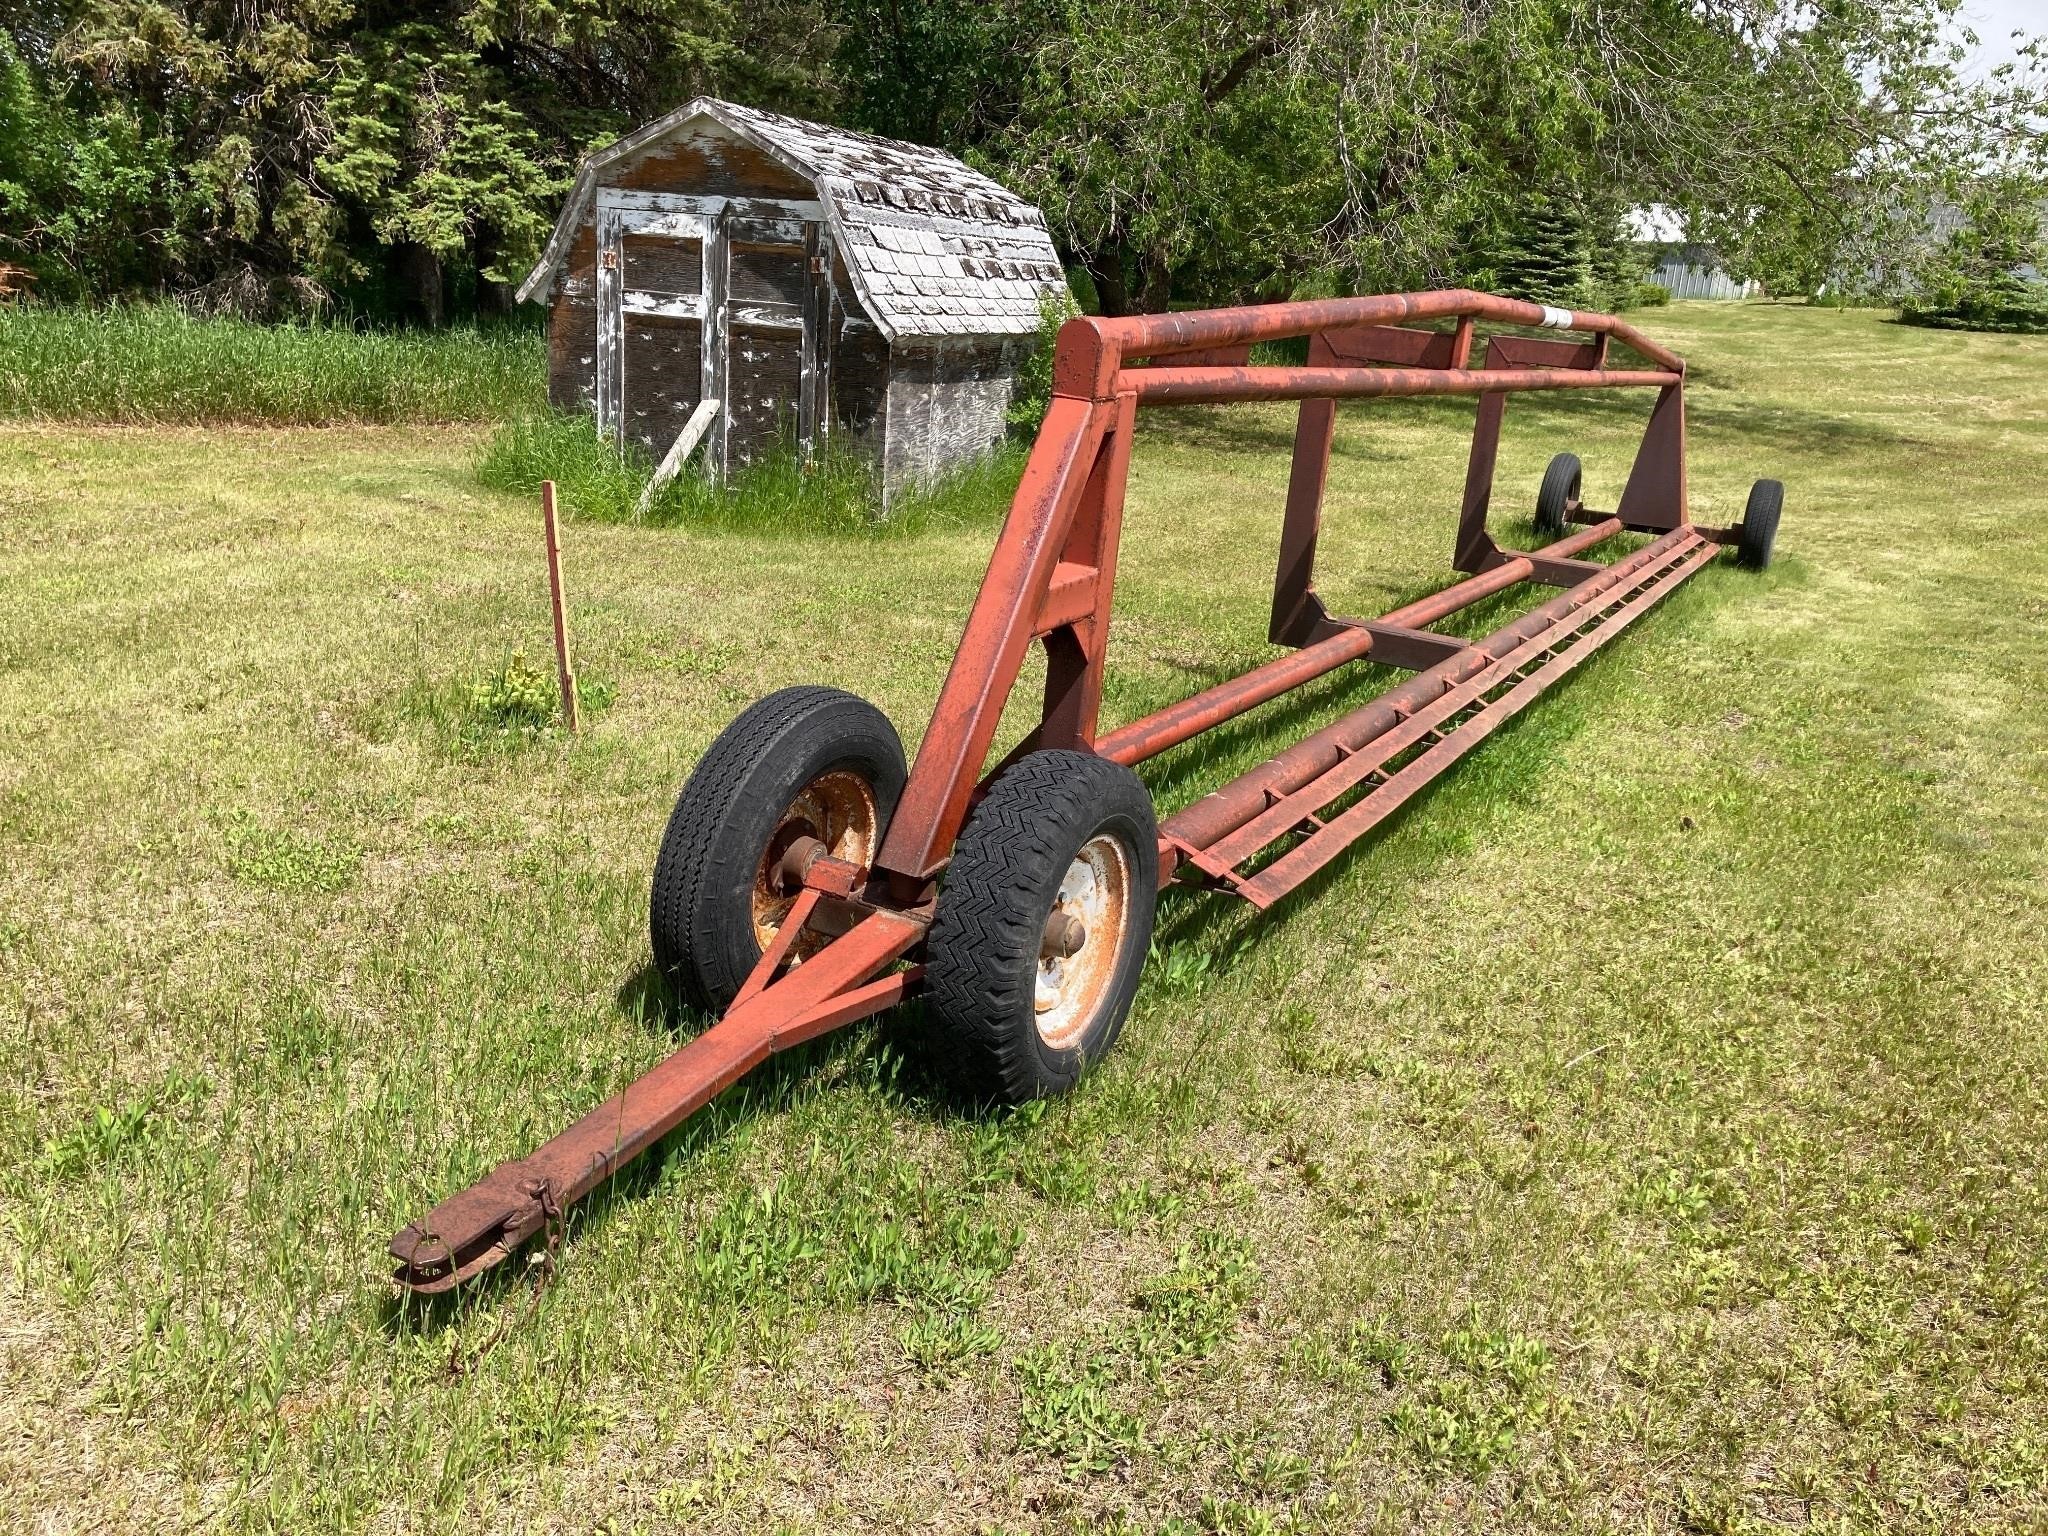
[(2004, 302), (1972, 281), (1558, 250), (517, 697), (1034, 379), (519, 702)]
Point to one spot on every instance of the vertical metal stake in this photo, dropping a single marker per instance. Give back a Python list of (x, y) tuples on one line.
[(564, 673)]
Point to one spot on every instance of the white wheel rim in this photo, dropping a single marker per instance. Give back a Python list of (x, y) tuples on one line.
[(1069, 990)]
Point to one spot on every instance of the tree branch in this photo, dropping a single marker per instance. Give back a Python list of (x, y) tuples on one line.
[(1252, 55)]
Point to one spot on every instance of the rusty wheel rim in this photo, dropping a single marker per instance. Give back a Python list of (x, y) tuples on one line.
[(840, 811), (1070, 989)]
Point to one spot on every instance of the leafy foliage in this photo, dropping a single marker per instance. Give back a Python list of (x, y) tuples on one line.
[(1569, 256), (406, 161), (403, 159), (1975, 279), (281, 859), (1033, 391), (1226, 152)]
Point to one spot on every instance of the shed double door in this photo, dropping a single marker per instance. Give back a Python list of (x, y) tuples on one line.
[(700, 302)]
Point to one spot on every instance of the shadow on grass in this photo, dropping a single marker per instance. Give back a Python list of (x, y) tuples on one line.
[(1216, 934), (772, 1088)]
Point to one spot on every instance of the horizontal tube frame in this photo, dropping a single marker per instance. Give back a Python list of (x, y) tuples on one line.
[(1208, 386), (1230, 807), (1204, 711)]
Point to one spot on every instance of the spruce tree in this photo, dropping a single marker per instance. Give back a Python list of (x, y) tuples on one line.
[(1547, 257)]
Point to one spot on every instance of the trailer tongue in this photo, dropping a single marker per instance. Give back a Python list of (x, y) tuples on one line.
[(797, 886)]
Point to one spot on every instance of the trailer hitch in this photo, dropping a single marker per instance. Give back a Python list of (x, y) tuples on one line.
[(488, 1222)]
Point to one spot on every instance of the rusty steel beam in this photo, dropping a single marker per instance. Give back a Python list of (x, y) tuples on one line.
[(1211, 386), (999, 629), (1222, 812), (489, 1221), (1050, 580), (1169, 727), (1445, 743), (1137, 336), (1655, 496), (1083, 450), (1364, 758)]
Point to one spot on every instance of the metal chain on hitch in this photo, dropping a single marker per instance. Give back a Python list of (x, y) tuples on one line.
[(542, 1266)]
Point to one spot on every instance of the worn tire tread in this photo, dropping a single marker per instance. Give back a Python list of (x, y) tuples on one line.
[(683, 927), (1759, 535), (1022, 833), (1562, 478)]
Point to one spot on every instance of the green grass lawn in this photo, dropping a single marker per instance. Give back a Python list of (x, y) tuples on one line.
[(155, 365), (1644, 1134)]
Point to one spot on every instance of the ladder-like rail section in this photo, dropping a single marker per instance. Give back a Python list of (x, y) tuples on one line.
[(1425, 742)]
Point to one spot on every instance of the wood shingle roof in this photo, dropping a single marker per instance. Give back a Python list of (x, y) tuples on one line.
[(934, 247)]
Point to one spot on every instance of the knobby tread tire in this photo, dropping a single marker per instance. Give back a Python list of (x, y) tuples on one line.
[(1760, 524), (700, 922), (982, 951), (1560, 488)]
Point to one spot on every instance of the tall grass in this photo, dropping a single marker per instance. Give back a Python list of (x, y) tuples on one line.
[(157, 366), (836, 492)]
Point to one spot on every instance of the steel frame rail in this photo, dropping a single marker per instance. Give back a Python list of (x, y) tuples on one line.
[(1050, 581)]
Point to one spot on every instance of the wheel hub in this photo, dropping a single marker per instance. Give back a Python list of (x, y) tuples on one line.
[(1082, 939), (836, 813), (1064, 936)]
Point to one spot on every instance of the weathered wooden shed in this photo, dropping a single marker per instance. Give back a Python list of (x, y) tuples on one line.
[(812, 280)]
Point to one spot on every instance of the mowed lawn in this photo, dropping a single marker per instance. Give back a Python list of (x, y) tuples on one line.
[(1644, 1134)]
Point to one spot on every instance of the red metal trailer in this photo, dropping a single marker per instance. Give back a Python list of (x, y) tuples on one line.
[(799, 883)]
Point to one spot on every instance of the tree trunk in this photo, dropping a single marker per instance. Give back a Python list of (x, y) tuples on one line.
[(492, 298), (1106, 269), (423, 281), (1156, 293)]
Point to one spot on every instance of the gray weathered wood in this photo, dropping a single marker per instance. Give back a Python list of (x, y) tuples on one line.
[(667, 306), (807, 366), (764, 316), (758, 231), (717, 259), (684, 204), (790, 275), (610, 327), (678, 453), (635, 220)]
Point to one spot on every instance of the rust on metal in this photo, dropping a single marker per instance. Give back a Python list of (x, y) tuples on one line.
[(842, 903), (486, 1223)]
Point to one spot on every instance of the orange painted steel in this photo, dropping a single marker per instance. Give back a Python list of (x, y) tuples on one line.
[(1050, 580), (486, 1223), (1073, 483)]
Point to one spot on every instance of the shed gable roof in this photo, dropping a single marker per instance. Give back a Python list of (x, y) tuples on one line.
[(934, 247)]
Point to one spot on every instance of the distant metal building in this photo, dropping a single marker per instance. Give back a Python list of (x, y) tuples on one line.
[(813, 281), (1692, 271)]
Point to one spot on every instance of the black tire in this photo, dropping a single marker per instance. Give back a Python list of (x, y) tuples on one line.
[(1760, 524), (790, 760), (1049, 815), (1558, 497)]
